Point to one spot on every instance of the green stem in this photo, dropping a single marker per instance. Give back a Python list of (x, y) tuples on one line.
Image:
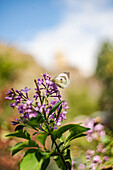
[(60, 154), (63, 160)]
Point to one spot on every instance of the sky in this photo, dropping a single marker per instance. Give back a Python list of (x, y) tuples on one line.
[(43, 28)]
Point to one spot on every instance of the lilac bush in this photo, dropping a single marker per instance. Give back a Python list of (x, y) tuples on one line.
[(43, 113), (27, 108), (97, 158)]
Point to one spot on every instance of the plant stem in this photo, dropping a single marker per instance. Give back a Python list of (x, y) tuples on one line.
[(63, 160), (38, 91)]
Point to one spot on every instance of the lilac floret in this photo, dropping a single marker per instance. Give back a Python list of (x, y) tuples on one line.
[(99, 127), (96, 130), (13, 123), (29, 102), (33, 114), (12, 105), (106, 158), (81, 167), (90, 154), (9, 98), (25, 90), (40, 81), (96, 159), (9, 92)]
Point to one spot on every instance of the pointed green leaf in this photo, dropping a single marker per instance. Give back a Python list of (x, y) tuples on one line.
[(60, 108), (78, 130), (54, 108), (58, 132), (19, 127), (60, 144), (20, 134), (67, 159), (75, 132), (66, 147), (46, 128), (21, 145), (35, 121), (34, 159), (35, 133), (30, 162), (45, 163), (60, 163), (42, 137)]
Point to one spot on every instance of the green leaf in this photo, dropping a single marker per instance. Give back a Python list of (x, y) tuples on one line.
[(19, 127), (58, 132), (78, 130), (105, 139), (75, 132), (60, 163), (54, 108), (60, 144), (52, 121), (60, 108), (46, 128), (66, 147), (42, 137), (16, 122), (20, 134), (21, 145), (35, 121), (35, 133), (67, 159), (45, 157), (34, 159), (45, 163), (67, 154), (30, 162)]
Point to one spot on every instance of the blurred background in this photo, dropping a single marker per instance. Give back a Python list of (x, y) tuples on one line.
[(56, 36)]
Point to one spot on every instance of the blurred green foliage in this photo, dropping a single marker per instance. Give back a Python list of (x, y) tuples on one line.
[(9, 72), (104, 72), (9, 69), (80, 103), (104, 68)]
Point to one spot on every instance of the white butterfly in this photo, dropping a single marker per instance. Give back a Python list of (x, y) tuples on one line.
[(62, 80)]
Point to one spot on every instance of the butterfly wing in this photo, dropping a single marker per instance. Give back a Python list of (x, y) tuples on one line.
[(62, 80)]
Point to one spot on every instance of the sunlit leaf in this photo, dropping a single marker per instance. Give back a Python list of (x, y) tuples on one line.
[(21, 145), (60, 108), (58, 132), (35, 160), (54, 108), (42, 137), (20, 134), (75, 132), (19, 127), (64, 163), (46, 128)]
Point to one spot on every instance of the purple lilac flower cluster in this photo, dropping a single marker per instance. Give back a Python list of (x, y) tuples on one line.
[(41, 102), (96, 129), (49, 88), (93, 162), (94, 159)]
